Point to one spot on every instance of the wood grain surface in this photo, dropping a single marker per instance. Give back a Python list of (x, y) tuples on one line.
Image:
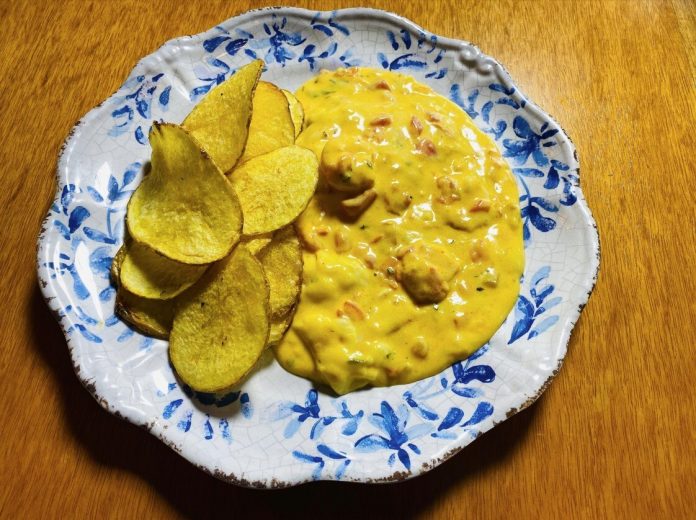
[(614, 435)]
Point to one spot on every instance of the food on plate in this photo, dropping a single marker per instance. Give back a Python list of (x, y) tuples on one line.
[(189, 273), (145, 273), (275, 187), (271, 124), (220, 121), (282, 263), (151, 317), (296, 111), (185, 209), (279, 326), (412, 244), (380, 247), (221, 324)]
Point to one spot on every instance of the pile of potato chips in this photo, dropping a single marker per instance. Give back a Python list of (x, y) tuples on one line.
[(212, 261)]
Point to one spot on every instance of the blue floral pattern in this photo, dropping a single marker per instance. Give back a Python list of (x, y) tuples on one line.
[(395, 430)]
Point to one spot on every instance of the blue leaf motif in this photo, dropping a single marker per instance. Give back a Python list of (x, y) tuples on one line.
[(524, 312), (185, 423), (528, 172), (392, 39), (543, 203), (140, 136), (407, 61), (483, 373), (543, 326), (77, 217), (372, 442), (87, 334), (339, 27), (552, 179), (328, 452), (213, 43), (171, 408), (451, 419), (62, 229), (483, 410), (96, 196), (130, 173), (404, 458), (406, 38), (164, 96), (234, 46)]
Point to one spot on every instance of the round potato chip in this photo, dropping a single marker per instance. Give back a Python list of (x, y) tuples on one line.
[(151, 317), (296, 111), (220, 121), (184, 208), (148, 274), (275, 188), (282, 263), (221, 324), (271, 124)]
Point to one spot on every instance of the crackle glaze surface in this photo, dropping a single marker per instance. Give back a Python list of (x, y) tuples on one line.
[(276, 429)]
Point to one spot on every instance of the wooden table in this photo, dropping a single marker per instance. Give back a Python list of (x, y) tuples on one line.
[(613, 437)]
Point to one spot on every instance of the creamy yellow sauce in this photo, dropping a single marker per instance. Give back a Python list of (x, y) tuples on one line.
[(413, 241)]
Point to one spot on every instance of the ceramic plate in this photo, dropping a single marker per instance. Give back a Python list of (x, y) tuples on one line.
[(277, 430)]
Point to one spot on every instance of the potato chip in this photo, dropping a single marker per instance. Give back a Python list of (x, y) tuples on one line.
[(221, 324), (282, 263), (296, 111), (115, 271), (146, 273), (256, 243), (279, 326), (275, 188), (271, 124), (151, 317), (184, 208), (220, 121)]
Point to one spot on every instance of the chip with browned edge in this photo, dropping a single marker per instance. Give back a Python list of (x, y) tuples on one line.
[(221, 324), (185, 209), (282, 263), (150, 275), (152, 317), (271, 124), (220, 121), (275, 188), (296, 111)]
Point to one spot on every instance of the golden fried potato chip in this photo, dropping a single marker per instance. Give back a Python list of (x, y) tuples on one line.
[(282, 263), (271, 124), (221, 324), (220, 121), (115, 271), (151, 317), (275, 188), (296, 111), (146, 273), (279, 326), (184, 208), (256, 243)]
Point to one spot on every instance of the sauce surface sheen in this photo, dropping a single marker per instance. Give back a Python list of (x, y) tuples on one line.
[(413, 246)]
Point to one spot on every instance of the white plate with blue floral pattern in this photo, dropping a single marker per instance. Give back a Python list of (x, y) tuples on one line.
[(277, 430)]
